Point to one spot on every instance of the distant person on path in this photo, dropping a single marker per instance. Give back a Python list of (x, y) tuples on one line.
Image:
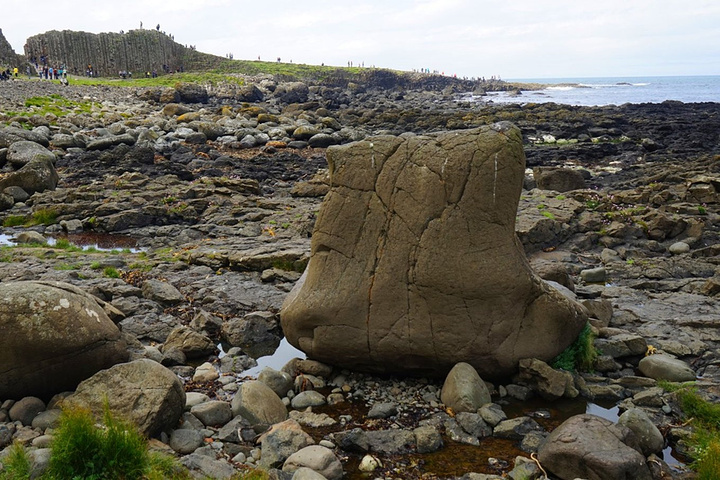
[(140, 25), (15, 72), (158, 27)]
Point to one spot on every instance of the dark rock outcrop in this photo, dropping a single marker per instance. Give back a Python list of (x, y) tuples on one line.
[(8, 57)]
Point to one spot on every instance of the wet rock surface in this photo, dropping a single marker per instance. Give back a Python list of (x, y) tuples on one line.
[(219, 201)]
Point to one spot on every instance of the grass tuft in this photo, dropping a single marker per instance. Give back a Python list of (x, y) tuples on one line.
[(580, 355), (80, 449), (111, 272), (44, 216), (17, 465), (705, 441)]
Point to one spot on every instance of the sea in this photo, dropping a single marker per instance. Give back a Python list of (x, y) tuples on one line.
[(601, 91)]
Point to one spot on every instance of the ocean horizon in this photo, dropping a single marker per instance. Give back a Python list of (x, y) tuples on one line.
[(600, 91)]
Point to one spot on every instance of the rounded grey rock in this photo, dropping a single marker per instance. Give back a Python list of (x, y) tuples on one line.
[(309, 398), (213, 413), (186, 440)]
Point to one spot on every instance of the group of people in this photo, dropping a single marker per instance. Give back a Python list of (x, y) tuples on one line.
[(8, 74), (52, 73)]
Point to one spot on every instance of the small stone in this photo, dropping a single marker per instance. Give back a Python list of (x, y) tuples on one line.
[(213, 413), (594, 275), (317, 458), (26, 409), (464, 390), (492, 413), (279, 382), (186, 440), (648, 436), (427, 439), (309, 398), (519, 392), (369, 463), (205, 373), (665, 367), (382, 410), (194, 398), (679, 248), (516, 428)]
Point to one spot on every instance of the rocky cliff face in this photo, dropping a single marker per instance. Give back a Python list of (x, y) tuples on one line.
[(8, 57), (137, 51)]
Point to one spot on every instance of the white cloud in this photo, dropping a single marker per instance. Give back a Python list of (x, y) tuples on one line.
[(524, 38)]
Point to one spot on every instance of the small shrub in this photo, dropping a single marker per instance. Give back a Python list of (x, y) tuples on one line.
[(580, 355), (95, 266), (111, 272), (702, 210), (547, 214)]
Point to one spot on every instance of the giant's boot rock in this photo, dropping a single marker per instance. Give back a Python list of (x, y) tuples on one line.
[(52, 336), (415, 265)]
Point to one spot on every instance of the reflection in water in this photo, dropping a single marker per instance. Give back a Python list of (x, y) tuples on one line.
[(284, 353), (98, 241), (101, 241)]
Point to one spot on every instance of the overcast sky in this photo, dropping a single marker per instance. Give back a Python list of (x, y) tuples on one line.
[(510, 39)]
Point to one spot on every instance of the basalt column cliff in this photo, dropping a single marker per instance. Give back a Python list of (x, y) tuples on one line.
[(136, 51)]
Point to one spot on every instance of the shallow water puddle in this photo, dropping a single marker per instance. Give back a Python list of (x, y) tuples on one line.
[(284, 353), (87, 241)]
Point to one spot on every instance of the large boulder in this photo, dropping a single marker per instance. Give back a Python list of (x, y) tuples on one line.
[(587, 446), (10, 135), (52, 336), (191, 92), (142, 391), (37, 175), (21, 153), (415, 265)]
